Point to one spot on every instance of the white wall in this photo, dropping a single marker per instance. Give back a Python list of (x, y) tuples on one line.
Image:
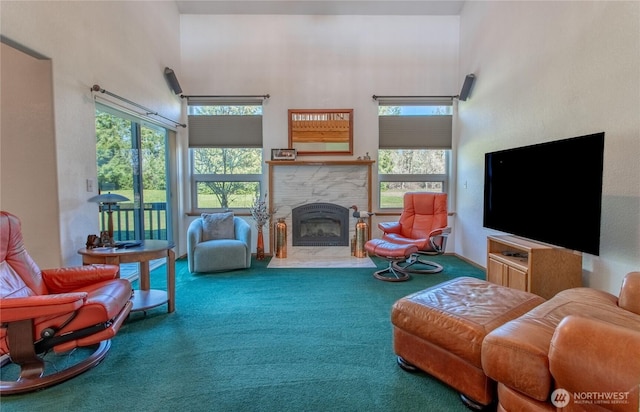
[(319, 62), (122, 46), (28, 150), (546, 71), (307, 62)]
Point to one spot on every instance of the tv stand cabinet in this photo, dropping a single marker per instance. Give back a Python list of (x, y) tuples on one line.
[(533, 267)]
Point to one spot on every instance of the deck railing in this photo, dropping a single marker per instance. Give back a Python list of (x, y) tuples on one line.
[(155, 221)]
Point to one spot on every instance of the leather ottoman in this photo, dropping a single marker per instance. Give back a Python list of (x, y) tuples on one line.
[(393, 252), (440, 331)]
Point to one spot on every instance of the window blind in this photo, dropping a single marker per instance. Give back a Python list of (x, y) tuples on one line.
[(225, 130), (415, 131)]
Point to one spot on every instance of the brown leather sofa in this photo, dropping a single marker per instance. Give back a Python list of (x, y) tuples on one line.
[(579, 351)]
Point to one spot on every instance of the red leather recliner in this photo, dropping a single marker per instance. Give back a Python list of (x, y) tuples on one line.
[(53, 310), (424, 223)]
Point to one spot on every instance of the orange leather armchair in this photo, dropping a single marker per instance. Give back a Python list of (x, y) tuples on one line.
[(424, 223), (53, 310)]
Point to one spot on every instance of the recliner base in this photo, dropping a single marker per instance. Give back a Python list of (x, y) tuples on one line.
[(414, 264), (37, 379), (391, 274)]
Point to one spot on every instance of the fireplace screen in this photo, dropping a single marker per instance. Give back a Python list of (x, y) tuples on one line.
[(320, 224)]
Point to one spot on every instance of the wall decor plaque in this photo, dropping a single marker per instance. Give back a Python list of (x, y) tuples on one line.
[(321, 131), (283, 154)]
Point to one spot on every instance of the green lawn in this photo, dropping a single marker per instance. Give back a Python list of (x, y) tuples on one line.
[(206, 201), (391, 199), (150, 196)]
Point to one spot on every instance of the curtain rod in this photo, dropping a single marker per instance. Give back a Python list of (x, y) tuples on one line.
[(415, 97), (263, 96), (148, 111), (129, 110)]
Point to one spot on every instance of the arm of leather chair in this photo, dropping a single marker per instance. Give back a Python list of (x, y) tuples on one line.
[(438, 239), (630, 293), (15, 309), (63, 280), (590, 355), (390, 227), (443, 231)]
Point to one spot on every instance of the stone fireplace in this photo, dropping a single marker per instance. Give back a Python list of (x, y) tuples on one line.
[(320, 224), (294, 185)]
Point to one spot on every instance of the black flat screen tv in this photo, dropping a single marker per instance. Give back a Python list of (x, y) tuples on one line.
[(549, 192)]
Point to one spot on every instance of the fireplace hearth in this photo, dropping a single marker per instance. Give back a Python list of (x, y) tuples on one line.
[(320, 224)]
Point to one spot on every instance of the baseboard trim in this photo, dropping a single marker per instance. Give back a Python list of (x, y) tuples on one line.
[(472, 263)]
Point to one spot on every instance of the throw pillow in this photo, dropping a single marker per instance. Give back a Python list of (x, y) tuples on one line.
[(217, 226)]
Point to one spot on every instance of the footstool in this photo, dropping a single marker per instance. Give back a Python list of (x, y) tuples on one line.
[(440, 331), (393, 252)]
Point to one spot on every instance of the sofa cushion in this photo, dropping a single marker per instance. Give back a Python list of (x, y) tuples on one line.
[(630, 293), (516, 353), (217, 226), (608, 365)]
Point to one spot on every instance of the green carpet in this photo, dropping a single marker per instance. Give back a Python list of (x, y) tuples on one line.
[(260, 340)]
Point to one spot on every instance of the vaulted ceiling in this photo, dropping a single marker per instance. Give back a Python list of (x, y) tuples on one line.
[(323, 7)]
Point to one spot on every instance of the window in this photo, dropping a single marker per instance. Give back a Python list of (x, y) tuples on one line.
[(414, 150), (225, 154), (132, 160), (225, 178), (401, 171)]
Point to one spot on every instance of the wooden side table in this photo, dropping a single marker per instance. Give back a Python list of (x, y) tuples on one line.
[(145, 298)]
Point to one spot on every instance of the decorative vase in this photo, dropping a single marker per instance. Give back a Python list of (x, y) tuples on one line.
[(361, 238), (281, 238), (260, 246)]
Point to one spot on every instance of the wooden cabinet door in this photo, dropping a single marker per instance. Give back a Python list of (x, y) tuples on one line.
[(495, 272), (516, 278)]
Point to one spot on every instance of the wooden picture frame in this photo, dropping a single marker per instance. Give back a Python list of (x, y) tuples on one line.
[(321, 131), (283, 154)]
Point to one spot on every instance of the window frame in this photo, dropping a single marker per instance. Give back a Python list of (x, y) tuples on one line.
[(142, 212)]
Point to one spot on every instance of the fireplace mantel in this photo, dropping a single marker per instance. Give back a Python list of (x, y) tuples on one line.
[(293, 183)]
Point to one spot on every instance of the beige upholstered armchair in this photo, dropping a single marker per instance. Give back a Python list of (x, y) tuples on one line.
[(218, 242)]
